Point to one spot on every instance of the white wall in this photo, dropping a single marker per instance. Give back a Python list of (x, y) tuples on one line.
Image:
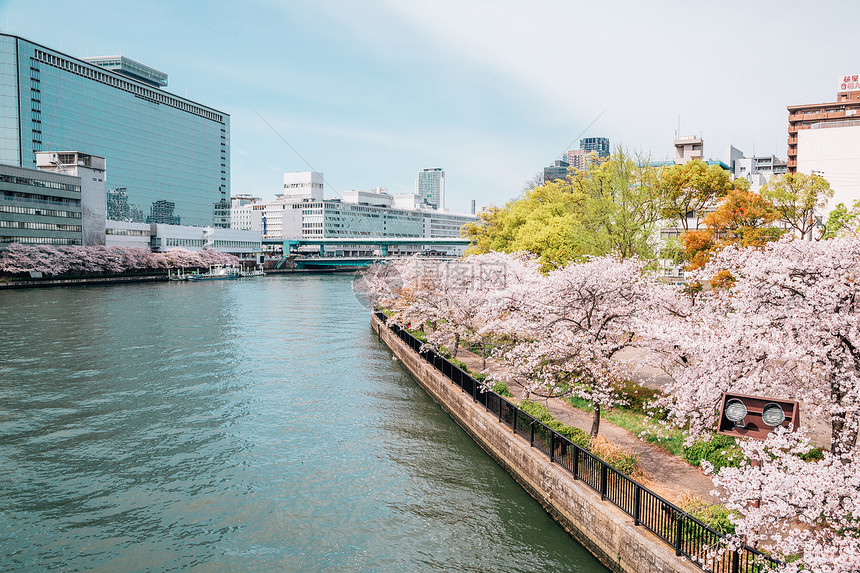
[(835, 153)]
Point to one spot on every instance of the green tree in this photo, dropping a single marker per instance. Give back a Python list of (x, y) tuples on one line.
[(841, 219), (609, 207), (623, 207), (690, 187), (796, 197), (545, 220)]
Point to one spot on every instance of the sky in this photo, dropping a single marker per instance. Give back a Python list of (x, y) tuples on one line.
[(371, 92)]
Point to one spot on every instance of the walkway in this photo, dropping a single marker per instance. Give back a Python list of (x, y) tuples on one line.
[(666, 475)]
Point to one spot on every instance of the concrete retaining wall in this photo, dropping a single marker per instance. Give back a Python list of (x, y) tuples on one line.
[(39, 283), (604, 530)]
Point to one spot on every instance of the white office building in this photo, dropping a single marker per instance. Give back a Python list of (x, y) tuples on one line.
[(430, 187)]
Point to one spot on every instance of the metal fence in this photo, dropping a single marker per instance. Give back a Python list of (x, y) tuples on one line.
[(687, 535)]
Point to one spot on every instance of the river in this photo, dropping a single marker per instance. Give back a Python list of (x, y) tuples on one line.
[(253, 425)]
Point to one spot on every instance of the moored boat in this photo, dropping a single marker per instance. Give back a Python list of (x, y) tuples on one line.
[(217, 273)]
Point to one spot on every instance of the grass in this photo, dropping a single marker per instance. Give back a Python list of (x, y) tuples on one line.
[(637, 423)]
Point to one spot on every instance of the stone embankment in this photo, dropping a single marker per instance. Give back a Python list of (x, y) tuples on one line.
[(80, 281), (603, 529)]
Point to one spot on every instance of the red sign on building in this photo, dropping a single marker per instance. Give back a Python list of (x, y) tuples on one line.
[(849, 83)]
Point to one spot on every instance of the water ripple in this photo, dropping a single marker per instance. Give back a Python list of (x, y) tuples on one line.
[(254, 425)]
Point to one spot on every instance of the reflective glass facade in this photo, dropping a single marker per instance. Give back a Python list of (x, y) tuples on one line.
[(168, 158)]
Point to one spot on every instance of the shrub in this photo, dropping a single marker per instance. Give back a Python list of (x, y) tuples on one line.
[(621, 459), (639, 398), (572, 433), (714, 516), (459, 364), (536, 410), (721, 451), (482, 378), (813, 455), (541, 413)]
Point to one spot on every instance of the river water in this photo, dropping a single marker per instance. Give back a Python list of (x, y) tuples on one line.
[(254, 425)]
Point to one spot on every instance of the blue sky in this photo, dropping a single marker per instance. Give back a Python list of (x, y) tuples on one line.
[(371, 92)]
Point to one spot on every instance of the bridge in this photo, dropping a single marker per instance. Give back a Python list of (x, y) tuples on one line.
[(344, 262)]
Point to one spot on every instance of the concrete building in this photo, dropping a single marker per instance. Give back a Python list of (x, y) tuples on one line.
[(233, 241), (128, 234), (757, 169), (243, 215), (39, 207), (577, 158), (824, 138), (360, 214), (430, 187), (558, 170), (303, 184), (169, 156), (91, 169), (687, 148)]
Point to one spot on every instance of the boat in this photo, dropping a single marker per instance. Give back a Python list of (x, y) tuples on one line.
[(217, 273), (180, 275), (257, 272)]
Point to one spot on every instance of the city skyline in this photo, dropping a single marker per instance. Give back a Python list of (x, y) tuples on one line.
[(371, 95)]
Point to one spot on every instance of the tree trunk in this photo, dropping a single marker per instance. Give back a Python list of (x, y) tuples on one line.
[(841, 440), (595, 421), (456, 345), (484, 357)]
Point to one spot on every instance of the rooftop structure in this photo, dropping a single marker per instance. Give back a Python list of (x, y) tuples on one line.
[(131, 69), (688, 147)]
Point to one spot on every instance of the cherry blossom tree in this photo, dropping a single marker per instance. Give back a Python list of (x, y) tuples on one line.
[(570, 325), (804, 513), (54, 261), (784, 320)]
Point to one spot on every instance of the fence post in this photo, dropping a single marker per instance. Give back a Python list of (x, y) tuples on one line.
[(532, 434), (500, 406), (551, 446), (637, 501), (575, 467), (679, 530), (736, 561), (602, 480), (514, 424)]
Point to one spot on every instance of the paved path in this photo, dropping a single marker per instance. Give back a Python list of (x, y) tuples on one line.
[(665, 474)]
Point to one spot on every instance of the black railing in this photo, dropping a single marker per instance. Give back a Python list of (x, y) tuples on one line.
[(687, 535)]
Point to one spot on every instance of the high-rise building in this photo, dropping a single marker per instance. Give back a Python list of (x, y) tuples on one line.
[(430, 187), (169, 157), (599, 145), (824, 138)]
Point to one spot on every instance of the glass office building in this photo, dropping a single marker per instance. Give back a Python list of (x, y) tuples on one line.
[(168, 158), (598, 145)]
